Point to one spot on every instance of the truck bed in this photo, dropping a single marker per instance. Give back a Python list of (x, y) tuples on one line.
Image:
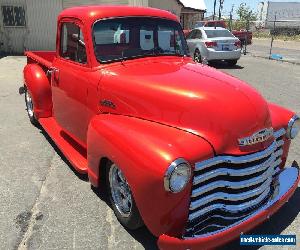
[(44, 58)]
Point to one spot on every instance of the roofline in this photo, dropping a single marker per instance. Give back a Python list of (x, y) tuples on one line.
[(196, 10), (202, 10)]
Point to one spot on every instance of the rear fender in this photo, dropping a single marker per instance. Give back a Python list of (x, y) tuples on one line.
[(144, 150), (39, 87)]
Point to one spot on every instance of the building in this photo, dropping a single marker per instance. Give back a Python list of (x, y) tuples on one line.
[(191, 12), (286, 14), (31, 24)]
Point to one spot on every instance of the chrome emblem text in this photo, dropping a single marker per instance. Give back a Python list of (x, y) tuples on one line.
[(259, 136)]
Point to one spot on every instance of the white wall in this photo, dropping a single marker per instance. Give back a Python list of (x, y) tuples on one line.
[(42, 22), (14, 37), (40, 30), (170, 5), (71, 3), (138, 3)]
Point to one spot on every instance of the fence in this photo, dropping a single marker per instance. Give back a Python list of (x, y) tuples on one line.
[(277, 38)]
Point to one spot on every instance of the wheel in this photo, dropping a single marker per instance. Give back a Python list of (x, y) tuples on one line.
[(197, 56), (121, 198), (232, 62), (29, 107)]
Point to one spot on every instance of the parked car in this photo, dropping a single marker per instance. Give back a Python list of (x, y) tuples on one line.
[(244, 35), (192, 153), (214, 44)]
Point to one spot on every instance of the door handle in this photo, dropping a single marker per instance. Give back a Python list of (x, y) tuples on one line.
[(54, 74)]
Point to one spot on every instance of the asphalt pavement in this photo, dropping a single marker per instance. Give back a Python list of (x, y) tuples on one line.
[(45, 205)]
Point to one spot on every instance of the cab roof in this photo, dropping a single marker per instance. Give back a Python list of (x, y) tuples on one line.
[(89, 14)]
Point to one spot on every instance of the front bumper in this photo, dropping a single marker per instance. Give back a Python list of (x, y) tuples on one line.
[(287, 180)]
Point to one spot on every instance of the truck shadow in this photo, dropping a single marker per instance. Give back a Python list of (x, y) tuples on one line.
[(82, 177), (142, 235)]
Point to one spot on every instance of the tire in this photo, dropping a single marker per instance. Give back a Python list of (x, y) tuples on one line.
[(121, 198), (197, 56), (232, 62), (29, 107)]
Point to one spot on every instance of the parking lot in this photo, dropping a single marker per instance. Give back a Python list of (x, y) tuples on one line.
[(45, 205)]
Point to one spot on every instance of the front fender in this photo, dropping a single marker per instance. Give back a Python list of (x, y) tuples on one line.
[(280, 118), (144, 150)]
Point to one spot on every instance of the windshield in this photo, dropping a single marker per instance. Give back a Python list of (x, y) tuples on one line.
[(133, 37), (218, 33)]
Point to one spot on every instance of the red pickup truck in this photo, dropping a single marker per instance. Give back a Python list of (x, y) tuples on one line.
[(194, 154)]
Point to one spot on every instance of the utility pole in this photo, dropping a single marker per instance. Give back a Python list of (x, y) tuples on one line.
[(220, 9), (231, 17), (215, 5)]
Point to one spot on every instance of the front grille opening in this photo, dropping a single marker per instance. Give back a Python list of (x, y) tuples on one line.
[(218, 218)]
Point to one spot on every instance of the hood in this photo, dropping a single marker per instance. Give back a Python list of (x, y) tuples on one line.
[(192, 97)]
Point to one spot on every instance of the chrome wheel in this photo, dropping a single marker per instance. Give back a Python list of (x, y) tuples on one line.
[(29, 104), (197, 57), (120, 191)]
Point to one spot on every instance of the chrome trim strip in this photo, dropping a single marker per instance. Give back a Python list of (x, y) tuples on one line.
[(294, 119), (238, 159), (212, 225), (217, 216), (231, 197), (240, 172), (171, 169), (233, 185), (279, 133), (230, 208), (285, 179)]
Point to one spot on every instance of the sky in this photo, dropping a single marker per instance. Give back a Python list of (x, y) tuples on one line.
[(228, 4)]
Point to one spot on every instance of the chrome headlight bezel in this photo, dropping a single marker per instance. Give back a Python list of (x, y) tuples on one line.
[(293, 127), (175, 167)]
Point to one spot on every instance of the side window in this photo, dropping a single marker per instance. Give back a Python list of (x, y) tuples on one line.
[(191, 35), (198, 34), (72, 45)]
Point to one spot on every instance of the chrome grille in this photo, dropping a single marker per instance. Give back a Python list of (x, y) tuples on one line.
[(226, 189)]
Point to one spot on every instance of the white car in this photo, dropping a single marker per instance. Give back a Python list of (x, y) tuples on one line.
[(208, 44)]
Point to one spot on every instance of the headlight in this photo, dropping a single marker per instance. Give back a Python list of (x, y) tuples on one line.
[(177, 176), (293, 127)]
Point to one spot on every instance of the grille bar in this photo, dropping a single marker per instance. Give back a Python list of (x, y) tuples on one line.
[(238, 172), (231, 208), (231, 197), (226, 189), (234, 185), (238, 159)]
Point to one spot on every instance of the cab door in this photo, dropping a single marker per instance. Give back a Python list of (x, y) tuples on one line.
[(70, 81)]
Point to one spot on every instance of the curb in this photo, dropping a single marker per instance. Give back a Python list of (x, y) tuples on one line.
[(271, 59)]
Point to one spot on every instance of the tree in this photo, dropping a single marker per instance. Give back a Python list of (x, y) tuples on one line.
[(245, 13)]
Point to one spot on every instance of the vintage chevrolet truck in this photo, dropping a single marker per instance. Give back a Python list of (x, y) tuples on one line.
[(194, 154)]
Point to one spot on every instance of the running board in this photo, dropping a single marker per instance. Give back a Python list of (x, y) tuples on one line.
[(74, 152)]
